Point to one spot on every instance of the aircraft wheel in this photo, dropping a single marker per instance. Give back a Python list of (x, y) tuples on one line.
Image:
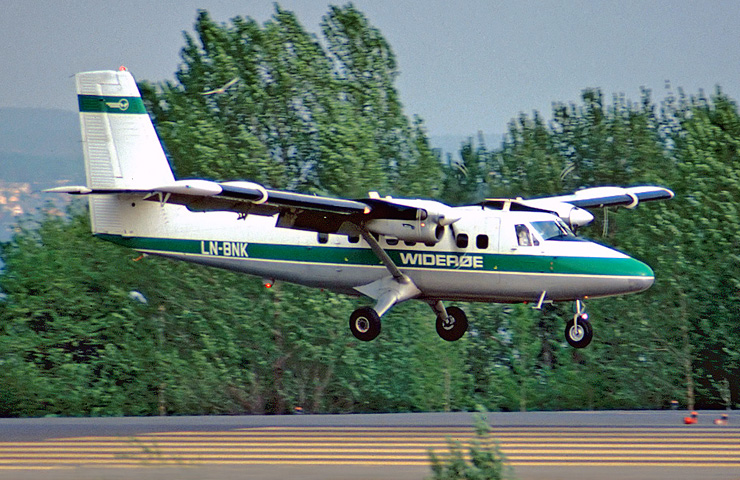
[(364, 324), (579, 335), (455, 326)]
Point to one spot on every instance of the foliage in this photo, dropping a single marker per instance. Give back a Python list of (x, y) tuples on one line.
[(294, 114), (68, 346), (484, 459), (75, 341)]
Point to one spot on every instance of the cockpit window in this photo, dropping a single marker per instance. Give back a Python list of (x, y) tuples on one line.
[(553, 230), (523, 236)]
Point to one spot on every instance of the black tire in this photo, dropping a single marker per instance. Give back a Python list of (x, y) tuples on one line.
[(365, 324), (456, 325), (579, 337)]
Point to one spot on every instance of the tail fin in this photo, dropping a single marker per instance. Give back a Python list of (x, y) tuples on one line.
[(120, 146)]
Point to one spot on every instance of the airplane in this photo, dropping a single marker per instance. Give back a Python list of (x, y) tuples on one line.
[(388, 249)]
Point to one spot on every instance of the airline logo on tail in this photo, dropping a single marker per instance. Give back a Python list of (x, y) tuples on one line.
[(108, 104), (122, 104)]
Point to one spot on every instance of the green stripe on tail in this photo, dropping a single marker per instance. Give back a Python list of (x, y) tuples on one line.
[(104, 104)]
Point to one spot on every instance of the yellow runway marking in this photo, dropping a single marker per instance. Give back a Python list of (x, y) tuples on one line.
[(382, 446)]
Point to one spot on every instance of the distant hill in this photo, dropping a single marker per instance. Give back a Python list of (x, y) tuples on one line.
[(38, 149), (40, 146)]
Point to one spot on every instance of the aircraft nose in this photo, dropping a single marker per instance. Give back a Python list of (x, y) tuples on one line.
[(642, 276)]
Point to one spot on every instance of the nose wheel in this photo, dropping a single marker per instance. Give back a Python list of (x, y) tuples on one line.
[(452, 326), (578, 331)]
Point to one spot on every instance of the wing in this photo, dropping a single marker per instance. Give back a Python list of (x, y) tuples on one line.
[(413, 220), (571, 208), (598, 197)]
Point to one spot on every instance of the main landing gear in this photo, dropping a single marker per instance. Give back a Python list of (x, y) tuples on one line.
[(364, 323), (578, 332), (452, 323)]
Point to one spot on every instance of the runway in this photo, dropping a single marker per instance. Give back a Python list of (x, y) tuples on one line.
[(538, 446)]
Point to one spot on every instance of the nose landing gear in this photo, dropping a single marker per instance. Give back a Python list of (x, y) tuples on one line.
[(578, 332), (452, 323)]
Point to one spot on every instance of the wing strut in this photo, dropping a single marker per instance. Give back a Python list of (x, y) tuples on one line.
[(390, 290), (380, 253)]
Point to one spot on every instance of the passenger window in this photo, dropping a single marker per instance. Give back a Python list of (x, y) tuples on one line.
[(410, 244), (462, 240), (481, 241), (523, 236), (391, 241), (353, 238), (323, 237)]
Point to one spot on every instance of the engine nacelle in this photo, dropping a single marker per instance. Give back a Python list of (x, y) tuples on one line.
[(575, 216), (570, 214), (426, 231)]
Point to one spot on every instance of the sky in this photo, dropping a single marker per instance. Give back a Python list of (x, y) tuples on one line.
[(465, 66)]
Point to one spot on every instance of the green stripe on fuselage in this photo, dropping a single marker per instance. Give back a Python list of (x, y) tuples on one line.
[(609, 266), (355, 256), (108, 104)]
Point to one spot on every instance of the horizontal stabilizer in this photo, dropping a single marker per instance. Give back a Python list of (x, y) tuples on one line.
[(74, 190)]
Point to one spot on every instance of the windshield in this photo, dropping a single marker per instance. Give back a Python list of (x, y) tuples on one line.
[(554, 230)]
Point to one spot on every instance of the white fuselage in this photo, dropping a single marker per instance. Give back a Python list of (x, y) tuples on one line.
[(480, 257)]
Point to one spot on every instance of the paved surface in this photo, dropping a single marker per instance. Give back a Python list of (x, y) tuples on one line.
[(545, 445)]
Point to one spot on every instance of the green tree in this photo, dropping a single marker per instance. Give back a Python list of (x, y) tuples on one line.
[(484, 461), (268, 103), (72, 341), (466, 179), (705, 229)]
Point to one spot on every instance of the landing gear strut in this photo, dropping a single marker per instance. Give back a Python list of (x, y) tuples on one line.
[(578, 332), (452, 323)]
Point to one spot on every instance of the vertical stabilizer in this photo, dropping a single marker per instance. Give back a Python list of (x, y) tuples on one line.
[(120, 146)]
